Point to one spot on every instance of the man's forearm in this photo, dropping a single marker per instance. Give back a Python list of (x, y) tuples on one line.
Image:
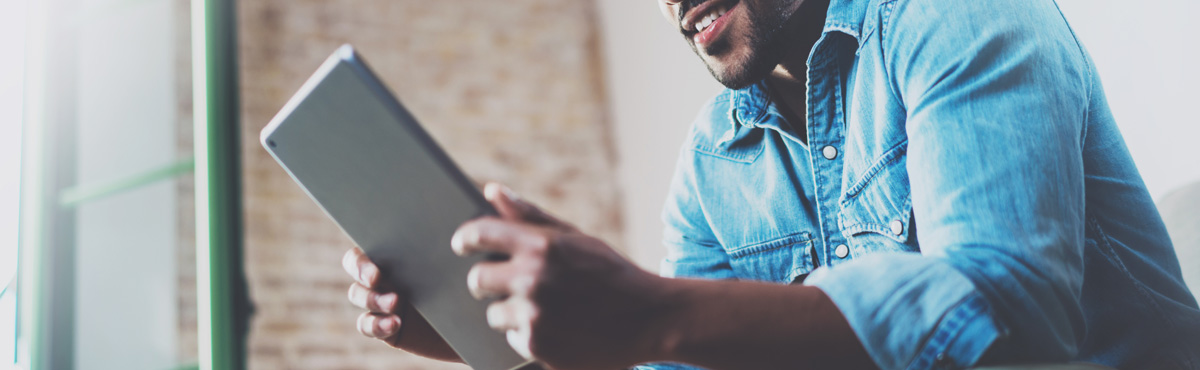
[(751, 325)]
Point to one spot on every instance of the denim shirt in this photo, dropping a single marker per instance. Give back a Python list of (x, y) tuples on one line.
[(961, 189)]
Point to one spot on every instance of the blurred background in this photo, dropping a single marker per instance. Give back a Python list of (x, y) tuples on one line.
[(153, 232)]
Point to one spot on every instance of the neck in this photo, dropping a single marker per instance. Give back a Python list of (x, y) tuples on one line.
[(789, 79)]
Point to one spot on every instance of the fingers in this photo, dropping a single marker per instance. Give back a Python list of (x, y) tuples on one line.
[(507, 317), (494, 235), (511, 206), (359, 266), (510, 314), (370, 300), (519, 341), (492, 280), (379, 326)]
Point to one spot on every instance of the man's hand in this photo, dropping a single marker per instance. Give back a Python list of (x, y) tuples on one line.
[(563, 298), (569, 301), (387, 310)]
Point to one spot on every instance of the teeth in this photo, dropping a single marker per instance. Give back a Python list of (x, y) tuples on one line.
[(706, 21)]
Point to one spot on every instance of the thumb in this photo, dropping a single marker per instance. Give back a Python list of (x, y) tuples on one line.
[(511, 206)]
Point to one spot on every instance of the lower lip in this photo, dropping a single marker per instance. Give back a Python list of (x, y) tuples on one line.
[(703, 38)]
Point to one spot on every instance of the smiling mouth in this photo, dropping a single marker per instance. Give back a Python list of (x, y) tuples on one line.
[(704, 28)]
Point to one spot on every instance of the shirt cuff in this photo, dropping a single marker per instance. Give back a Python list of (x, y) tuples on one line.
[(911, 311)]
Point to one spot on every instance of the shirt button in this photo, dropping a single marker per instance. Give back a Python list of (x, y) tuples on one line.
[(841, 251), (897, 227), (829, 152), (941, 360)]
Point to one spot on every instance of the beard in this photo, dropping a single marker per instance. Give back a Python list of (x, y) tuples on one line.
[(767, 41)]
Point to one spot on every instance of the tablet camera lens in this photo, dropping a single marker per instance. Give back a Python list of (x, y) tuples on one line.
[(271, 143)]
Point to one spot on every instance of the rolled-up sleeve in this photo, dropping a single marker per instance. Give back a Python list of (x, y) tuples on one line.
[(996, 99), (692, 249)]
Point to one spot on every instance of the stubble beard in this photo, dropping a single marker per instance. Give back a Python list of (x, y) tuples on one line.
[(766, 43)]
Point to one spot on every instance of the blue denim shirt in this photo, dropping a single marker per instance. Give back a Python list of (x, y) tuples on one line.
[(962, 189)]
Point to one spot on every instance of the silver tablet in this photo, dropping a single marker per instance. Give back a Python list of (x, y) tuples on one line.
[(364, 159)]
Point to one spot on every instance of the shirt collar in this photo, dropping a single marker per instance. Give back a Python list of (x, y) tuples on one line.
[(752, 106), (847, 16)]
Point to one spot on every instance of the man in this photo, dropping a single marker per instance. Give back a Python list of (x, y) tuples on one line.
[(901, 184)]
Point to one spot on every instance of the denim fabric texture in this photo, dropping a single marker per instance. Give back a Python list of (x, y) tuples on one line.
[(962, 188)]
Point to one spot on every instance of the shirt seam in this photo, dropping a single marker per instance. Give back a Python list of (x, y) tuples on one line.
[(1109, 253), (1090, 82), (937, 342), (771, 244), (882, 162), (887, 15)]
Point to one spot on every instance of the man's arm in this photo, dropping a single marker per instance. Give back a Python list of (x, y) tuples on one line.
[(753, 325), (569, 300), (996, 96)]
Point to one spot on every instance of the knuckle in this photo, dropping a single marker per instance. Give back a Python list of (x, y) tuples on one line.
[(523, 285), (371, 301), (539, 246)]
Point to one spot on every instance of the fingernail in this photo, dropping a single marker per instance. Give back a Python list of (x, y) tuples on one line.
[(387, 325), (348, 262), (492, 190), (456, 243), (366, 274), (388, 301)]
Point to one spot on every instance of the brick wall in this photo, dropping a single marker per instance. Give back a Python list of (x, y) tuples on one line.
[(512, 89)]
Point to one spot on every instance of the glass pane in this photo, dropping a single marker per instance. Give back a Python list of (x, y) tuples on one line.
[(12, 39), (126, 213)]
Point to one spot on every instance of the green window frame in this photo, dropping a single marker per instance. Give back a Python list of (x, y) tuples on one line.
[(49, 195)]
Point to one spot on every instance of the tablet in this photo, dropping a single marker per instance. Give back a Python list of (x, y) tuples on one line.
[(365, 160)]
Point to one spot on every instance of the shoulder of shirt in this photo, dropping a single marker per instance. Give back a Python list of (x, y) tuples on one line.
[(714, 119)]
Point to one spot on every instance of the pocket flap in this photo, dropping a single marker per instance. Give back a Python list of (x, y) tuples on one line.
[(880, 202)]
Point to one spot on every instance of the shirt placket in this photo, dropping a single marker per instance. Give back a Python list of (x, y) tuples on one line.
[(826, 139)]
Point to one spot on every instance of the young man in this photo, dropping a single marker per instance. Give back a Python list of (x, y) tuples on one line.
[(901, 184)]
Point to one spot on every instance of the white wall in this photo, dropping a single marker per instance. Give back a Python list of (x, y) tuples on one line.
[(1145, 52), (126, 302), (656, 85)]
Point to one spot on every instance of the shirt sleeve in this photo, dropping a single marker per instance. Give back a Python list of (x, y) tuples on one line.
[(996, 99), (692, 249)]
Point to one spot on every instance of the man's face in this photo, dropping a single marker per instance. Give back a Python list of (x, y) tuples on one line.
[(741, 41)]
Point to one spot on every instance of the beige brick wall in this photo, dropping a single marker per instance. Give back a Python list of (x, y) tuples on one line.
[(512, 89)]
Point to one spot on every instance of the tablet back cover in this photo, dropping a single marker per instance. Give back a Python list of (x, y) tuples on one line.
[(363, 158)]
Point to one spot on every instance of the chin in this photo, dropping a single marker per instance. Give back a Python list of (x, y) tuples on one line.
[(737, 75), (736, 81)]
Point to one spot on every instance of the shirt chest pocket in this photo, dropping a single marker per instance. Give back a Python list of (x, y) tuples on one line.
[(875, 212), (779, 260)]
